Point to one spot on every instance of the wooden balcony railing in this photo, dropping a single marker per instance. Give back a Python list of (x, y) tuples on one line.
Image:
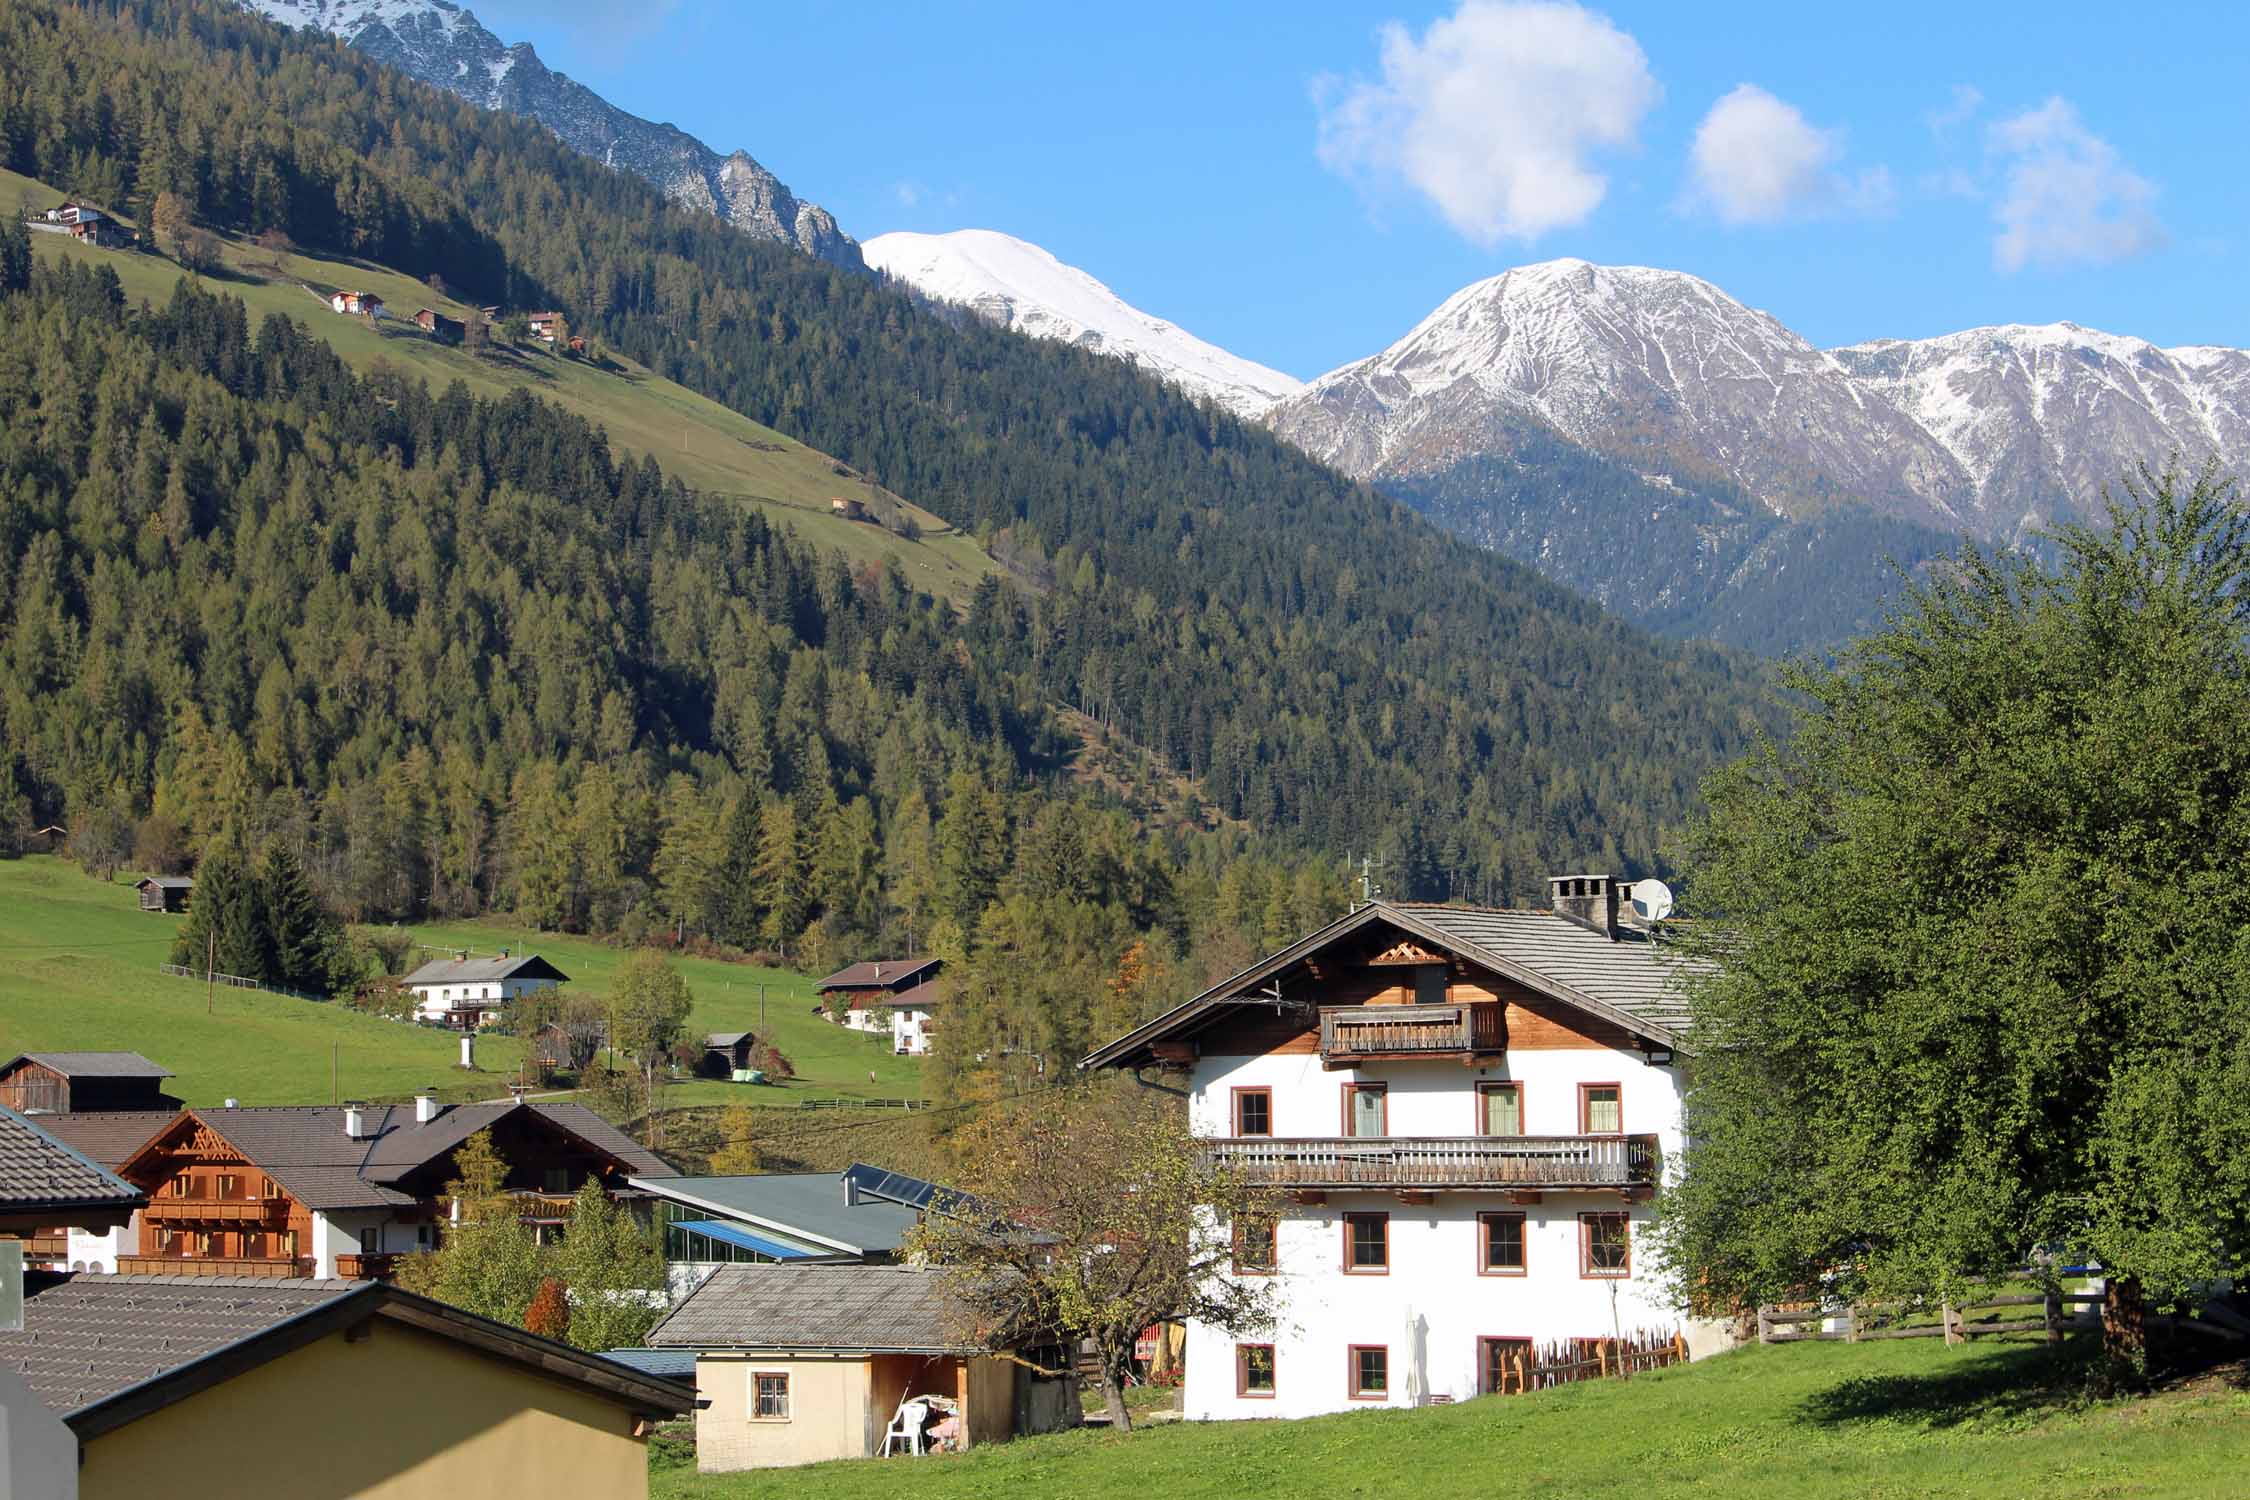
[(531, 1207), (211, 1265), (43, 1244), (1350, 1033), (215, 1210), (1473, 1161), (366, 1266)]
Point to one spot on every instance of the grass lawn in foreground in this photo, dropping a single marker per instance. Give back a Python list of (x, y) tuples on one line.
[(78, 972), (831, 1062), (1879, 1420)]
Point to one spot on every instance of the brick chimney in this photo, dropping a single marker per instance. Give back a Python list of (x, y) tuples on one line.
[(1588, 900)]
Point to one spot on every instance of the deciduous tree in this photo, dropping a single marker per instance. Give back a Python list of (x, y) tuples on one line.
[(1981, 985), (1096, 1215)]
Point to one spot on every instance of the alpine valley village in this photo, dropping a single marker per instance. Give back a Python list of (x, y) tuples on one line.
[(662, 841)]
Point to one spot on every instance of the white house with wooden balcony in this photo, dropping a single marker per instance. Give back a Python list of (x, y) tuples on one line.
[(466, 993), (1469, 1111)]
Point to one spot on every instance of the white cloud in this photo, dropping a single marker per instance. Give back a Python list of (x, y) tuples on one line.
[(1495, 114), (909, 194), (2068, 197), (1756, 160), (1967, 100)]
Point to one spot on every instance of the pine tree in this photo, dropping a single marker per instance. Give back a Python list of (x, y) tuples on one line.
[(300, 937), (780, 877), (688, 856)]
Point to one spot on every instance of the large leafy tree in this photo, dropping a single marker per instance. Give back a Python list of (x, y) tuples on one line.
[(648, 1008), (1983, 978), (489, 1262), (1095, 1215), (612, 1270)]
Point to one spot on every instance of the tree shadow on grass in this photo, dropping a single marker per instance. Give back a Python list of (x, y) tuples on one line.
[(1996, 1386)]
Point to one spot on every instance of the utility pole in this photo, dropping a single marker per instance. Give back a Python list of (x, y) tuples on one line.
[(210, 963), (761, 1012), (334, 1097)]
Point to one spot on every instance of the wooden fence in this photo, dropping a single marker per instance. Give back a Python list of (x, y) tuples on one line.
[(1542, 1366), (2059, 1313), (863, 1104), (235, 982)]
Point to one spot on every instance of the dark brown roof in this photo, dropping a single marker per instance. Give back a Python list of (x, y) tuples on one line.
[(306, 1148), (102, 1351), (109, 1136), (483, 970), (860, 1309), (91, 1064), (1630, 980), (166, 882), (39, 1171), (923, 996), (877, 974)]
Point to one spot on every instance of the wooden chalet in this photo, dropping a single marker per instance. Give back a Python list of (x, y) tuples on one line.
[(355, 304), (169, 893), (346, 1190), (446, 330), (62, 1082)]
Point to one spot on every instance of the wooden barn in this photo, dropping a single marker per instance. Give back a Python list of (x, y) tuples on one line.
[(725, 1053), (165, 892), (79, 1082)]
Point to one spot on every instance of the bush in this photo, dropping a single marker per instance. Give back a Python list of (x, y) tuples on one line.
[(770, 1060)]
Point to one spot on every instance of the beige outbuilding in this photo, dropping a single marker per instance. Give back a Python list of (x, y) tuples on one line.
[(222, 1386), (800, 1363)]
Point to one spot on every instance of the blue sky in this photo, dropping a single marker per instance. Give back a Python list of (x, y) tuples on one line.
[(1301, 183)]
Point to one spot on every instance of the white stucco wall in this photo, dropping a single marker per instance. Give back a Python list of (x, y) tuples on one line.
[(435, 1001), (908, 1033), (1434, 1250), (99, 1252)]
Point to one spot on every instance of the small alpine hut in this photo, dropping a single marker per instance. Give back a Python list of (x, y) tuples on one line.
[(165, 892)]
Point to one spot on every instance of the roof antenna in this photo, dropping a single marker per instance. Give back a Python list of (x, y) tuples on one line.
[(1369, 887)]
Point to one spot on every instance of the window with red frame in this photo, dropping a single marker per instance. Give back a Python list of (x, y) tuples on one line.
[(1605, 1245), (1253, 1111), (1370, 1372), (1500, 1238), (1601, 1109), (1256, 1247), (1253, 1370), (1367, 1243)]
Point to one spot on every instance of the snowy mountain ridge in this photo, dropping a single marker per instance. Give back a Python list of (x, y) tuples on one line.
[(1019, 285), (1991, 431), (443, 44)]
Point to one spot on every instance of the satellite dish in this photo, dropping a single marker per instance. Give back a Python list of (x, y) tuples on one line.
[(1652, 900)]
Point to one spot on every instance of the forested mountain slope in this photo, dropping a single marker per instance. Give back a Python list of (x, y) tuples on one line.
[(1331, 669)]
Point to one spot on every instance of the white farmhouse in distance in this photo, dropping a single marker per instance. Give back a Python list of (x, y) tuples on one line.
[(465, 993), (1469, 1111), (898, 995)]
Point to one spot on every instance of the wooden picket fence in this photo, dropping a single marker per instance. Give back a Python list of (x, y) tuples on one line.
[(1567, 1362)]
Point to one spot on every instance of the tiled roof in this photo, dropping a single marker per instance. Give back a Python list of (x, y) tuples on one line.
[(39, 1171), (306, 1149), (87, 1337), (166, 882), (923, 996), (483, 970), (877, 973), (724, 1039), (109, 1136), (1630, 979), (1632, 973), (93, 1064), (871, 1309), (671, 1364), (809, 1205)]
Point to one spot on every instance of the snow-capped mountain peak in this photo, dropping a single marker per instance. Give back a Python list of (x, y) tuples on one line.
[(443, 44), (1657, 365), (1018, 284)]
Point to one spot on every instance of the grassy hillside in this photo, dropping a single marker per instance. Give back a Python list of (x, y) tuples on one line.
[(830, 1061), (695, 438), (78, 971), (1865, 1420)]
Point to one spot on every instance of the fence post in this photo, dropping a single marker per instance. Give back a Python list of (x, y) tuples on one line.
[(1851, 1322), (1953, 1334), (2054, 1315), (1765, 1325)]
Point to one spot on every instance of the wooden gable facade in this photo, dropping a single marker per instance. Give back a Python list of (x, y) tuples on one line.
[(1375, 991), (212, 1211)]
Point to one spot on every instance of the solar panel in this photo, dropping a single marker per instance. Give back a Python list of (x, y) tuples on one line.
[(891, 1187)]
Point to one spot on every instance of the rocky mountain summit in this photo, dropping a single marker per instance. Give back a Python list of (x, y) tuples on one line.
[(443, 44), (1993, 432), (1018, 285)]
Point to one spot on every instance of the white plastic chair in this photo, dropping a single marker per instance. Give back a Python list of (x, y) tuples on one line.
[(906, 1426)]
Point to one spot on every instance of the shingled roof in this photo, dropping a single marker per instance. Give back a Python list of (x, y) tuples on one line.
[(91, 1064), (482, 971), (101, 1351), (1629, 977), (41, 1174), (833, 1308), (306, 1149), (876, 974)]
